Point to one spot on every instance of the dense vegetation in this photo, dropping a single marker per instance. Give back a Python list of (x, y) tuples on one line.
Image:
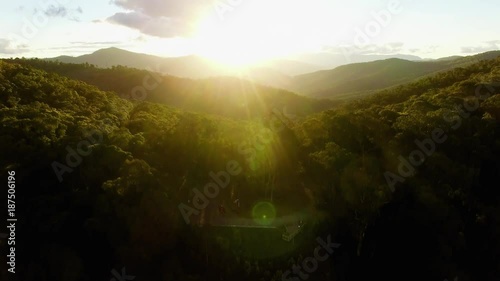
[(118, 205), (361, 79), (226, 96)]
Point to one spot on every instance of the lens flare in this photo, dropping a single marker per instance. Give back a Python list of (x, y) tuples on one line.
[(263, 213)]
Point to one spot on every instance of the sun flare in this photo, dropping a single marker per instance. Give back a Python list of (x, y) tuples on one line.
[(251, 33), (240, 45)]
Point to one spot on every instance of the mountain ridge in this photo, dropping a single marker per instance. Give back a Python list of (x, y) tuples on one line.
[(344, 81), (363, 78)]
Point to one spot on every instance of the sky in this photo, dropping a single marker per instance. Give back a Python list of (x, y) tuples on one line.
[(247, 30)]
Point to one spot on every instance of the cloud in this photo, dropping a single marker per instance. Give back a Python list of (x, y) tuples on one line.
[(132, 19), (386, 49), (141, 38), (431, 49), (8, 47), (155, 26), (493, 42), (82, 43), (372, 49), (185, 9), (81, 47), (486, 46), (60, 11), (161, 18), (53, 11)]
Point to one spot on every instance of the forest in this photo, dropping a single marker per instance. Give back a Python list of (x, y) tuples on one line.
[(110, 165)]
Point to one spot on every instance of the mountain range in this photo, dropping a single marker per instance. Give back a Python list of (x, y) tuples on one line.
[(352, 80), (198, 67), (319, 75)]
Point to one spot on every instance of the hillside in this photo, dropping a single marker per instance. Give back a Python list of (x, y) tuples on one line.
[(354, 80), (329, 60), (225, 96), (432, 146), (300, 74), (112, 57)]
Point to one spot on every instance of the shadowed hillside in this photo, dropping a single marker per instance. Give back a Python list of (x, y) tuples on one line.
[(225, 96), (355, 80)]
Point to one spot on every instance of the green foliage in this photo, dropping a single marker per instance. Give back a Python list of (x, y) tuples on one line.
[(122, 198), (224, 96), (356, 80)]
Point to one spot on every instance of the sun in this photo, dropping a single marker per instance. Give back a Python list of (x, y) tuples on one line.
[(251, 33), (239, 45)]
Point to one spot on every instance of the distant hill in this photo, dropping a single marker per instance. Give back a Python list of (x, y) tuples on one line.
[(274, 73), (292, 67), (303, 74), (184, 66), (357, 79), (327, 60), (187, 66), (449, 58), (466, 61), (111, 57)]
